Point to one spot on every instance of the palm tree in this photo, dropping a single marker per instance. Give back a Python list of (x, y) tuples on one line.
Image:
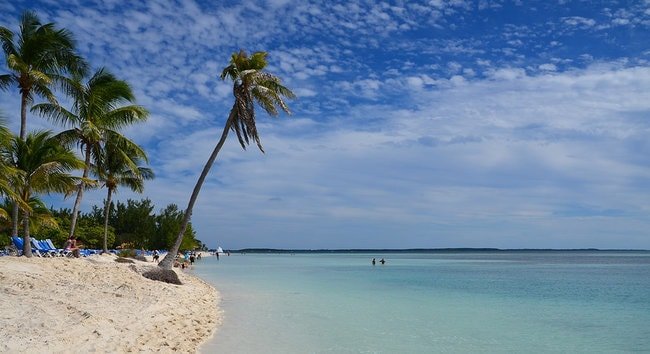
[(37, 58), (40, 215), (5, 169), (98, 110), (250, 85), (7, 172), (45, 165), (119, 165)]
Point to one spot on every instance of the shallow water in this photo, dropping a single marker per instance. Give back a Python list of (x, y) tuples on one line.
[(578, 302)]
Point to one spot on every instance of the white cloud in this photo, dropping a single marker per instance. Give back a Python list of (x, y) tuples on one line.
[(305, 92), (579, 21), (508, 73), (548, 67)]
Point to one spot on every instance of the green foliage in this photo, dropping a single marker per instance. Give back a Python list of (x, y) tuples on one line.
[(5, 240), (132, 224), (169, 224), (92, 236)]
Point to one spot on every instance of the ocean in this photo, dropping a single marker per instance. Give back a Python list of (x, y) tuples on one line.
[(464, 302)]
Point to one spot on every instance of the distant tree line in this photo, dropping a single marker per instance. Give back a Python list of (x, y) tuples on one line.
[(132, 225)]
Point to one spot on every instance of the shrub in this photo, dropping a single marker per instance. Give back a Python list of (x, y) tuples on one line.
[(126, 253)]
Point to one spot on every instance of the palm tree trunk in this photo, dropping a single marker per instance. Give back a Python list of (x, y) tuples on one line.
[(23, 115), (23, 133), (80, 191), (14, 219), (106, 212), (27, 245), (168, 261)]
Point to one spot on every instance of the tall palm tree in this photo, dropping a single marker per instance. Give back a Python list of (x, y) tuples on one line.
[(45, 165), (250, 85), (98, 109), (37, 57), (119, 165)]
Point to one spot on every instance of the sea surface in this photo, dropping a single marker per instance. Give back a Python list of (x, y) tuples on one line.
[(466, 302)]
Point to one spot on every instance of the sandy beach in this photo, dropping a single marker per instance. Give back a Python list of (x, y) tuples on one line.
[(94, 304)]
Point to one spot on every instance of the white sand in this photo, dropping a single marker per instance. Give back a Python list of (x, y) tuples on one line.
[(94, 304)]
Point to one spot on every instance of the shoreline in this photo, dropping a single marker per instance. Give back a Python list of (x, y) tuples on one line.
[(95, 304)]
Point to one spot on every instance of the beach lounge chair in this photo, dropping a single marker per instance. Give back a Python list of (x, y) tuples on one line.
[(18, 243), (12, 250), (40, 251), (55, 252), (60, 251), (85, 252)]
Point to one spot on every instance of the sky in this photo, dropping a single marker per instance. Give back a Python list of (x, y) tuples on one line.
[(418, 124)]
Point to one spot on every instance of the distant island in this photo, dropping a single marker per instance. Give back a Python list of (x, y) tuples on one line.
[(428, 250)]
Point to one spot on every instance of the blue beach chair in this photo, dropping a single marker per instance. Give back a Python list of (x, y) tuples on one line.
[(18, 243), (40, 250), (55, 252), (60, 251)]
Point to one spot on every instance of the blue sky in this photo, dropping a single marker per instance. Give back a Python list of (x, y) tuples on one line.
[(418, 123)]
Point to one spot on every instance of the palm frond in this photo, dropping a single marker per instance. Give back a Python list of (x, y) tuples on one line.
[(38, 54), (7, 39), (120, 164), (252, 85), (6, 81), (43, 160), (68, 137), (54, 113), (125, 116)]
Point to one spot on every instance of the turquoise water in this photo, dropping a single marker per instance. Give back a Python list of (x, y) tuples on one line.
[(570, 302)]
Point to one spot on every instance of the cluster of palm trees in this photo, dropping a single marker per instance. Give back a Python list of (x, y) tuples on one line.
[(41, 57), (40, 60)]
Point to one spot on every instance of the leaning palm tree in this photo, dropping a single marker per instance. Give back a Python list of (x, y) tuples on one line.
[(98, 109), (250, 85), (119, 165), (37, 57), (45, 165)]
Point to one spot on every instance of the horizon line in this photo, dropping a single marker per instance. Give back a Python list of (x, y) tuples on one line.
[(442, 249)]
